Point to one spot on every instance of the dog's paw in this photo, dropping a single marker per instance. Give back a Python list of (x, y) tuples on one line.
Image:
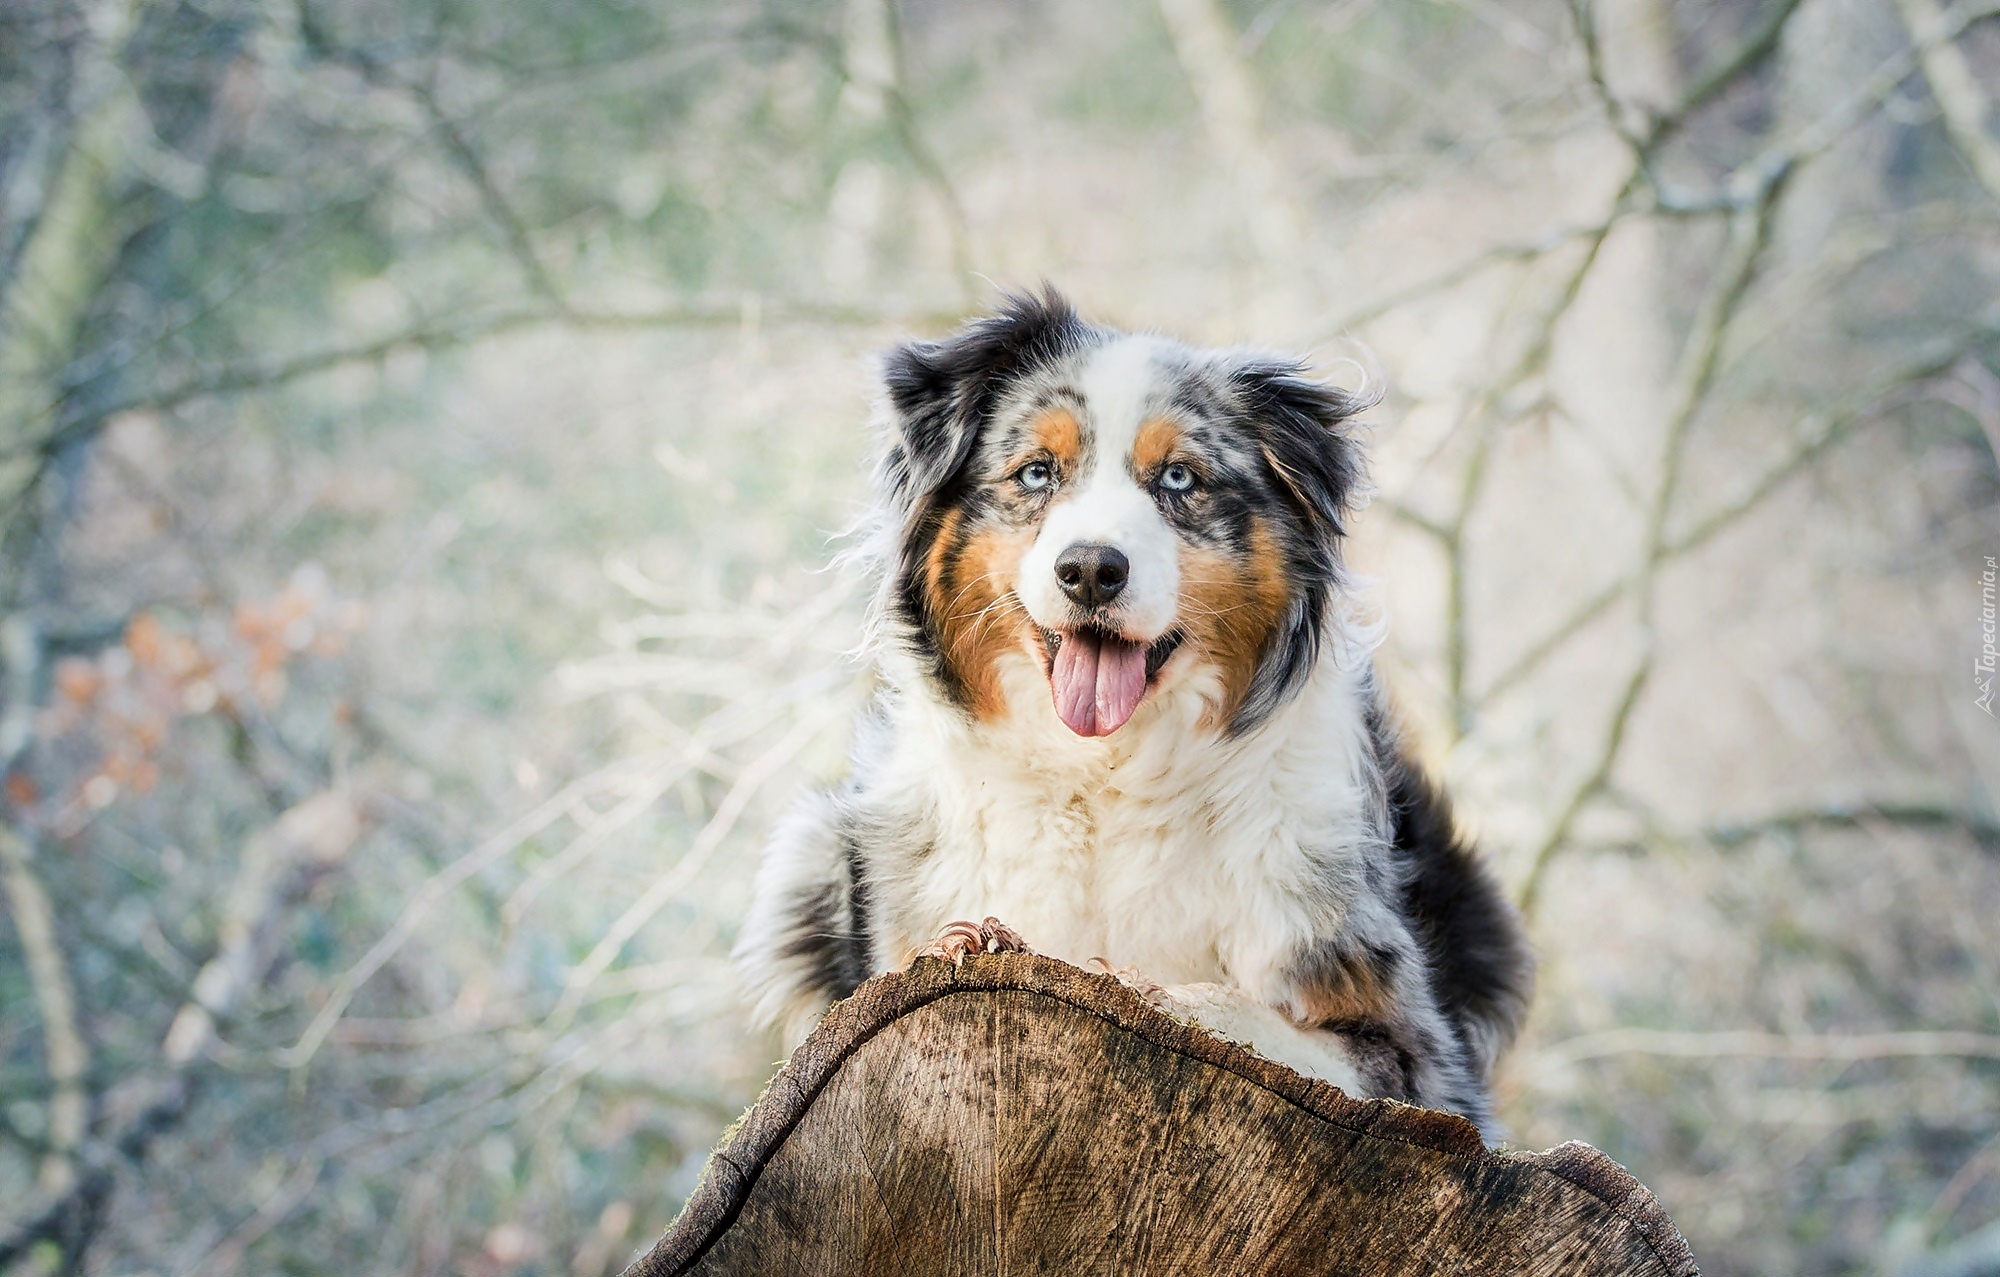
[(960, 938), (1216, 1007), (1138, 982), (1232, 1014)]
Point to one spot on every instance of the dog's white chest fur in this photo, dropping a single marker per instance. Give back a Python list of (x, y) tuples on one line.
[(1189, 855)]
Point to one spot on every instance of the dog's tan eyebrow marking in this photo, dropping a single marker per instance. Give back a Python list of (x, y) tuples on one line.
[(1157, 440), (1058, 433)]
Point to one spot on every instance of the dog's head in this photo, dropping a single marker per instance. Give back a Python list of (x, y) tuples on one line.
[(1115, 509)]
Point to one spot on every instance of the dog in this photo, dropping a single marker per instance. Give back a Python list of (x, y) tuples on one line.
[(1126, 704)]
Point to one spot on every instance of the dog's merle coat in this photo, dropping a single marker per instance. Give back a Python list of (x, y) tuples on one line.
[(1206, 786)]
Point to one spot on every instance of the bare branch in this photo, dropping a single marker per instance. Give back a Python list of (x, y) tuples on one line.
[(458, 149), (1538, 652), (291, 1193), (1957, 92), (1532, 360), (512, 228), (1876, 89), (1478, 264), (1977, 1254), (1422, 522), (1697, 1045), (691, 862), (58, 245), (71, 1217), (1627, 120), (67, 1055), (1927, 816), (65, 1052), (271, 374), (1748, 232), (275, 866), (1589, 787), (1759, 45), (421, 902), (21, 656), (1831, 429), (1642, 135), (1962, 1182), (1700, 353)]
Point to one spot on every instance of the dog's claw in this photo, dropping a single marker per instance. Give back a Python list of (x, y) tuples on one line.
[(960, 938), (1001, 938), (954, 942)]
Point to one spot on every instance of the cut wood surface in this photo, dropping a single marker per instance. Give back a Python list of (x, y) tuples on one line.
[(1018, 1115)]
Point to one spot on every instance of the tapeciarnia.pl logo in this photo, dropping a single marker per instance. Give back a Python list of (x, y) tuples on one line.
[(1982, 666)]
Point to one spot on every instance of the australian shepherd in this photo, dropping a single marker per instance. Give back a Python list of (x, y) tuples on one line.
[(1126, 706)]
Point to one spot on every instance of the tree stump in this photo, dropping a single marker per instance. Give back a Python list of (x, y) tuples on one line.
[(1019, 1115)]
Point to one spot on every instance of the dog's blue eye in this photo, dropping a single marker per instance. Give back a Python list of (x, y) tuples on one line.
[(1035, 476), (1177, 478)]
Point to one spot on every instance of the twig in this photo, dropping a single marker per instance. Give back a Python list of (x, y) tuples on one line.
[(1977, 1254), (1760, 44), (426, 898), (72, 1216), (1628, 120), (322, 829), (274, 866), (1532, 360), (1876, 89), (1477, 264), (1961, 1183), (669, 884), (1749, 229), (291, 1193), (457, 147), (1753, 189), (733, 723), (21, 656), (271, 374), (1404, 513), (1833, 428), (68, 1056), (1694, 1044), (66, 1053), (512, 228), (1589, 787), (1957, 92), (1859, 816), (1450, 535)]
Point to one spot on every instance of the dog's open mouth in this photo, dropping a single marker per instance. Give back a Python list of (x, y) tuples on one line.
[(1099, 677)]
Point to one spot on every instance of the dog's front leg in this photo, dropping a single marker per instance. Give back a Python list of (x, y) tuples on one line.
[(1232, 1014)]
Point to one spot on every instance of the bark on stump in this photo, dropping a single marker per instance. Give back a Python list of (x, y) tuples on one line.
[(1018, 1115)]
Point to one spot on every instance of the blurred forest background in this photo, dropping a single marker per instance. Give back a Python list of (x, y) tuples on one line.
[(421, 428)]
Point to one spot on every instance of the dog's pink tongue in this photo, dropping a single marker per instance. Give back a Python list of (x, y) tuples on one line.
[(1098, 682)]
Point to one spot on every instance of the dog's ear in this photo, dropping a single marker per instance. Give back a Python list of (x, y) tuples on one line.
[(1302, 427), (941, 393), (930, 438)]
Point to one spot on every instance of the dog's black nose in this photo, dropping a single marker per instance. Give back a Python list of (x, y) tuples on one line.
[(1092, 575)]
